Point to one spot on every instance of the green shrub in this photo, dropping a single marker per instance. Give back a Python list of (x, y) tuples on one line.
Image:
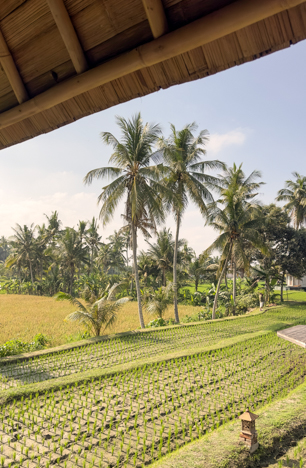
[(160, 322), (18, 347)]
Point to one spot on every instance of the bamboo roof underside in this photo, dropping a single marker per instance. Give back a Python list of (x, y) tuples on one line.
[(107, 28)]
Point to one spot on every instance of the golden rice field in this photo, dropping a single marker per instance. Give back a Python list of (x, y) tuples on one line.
[(22, 317)]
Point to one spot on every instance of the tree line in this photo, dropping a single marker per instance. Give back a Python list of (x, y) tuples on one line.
[(155, 176)]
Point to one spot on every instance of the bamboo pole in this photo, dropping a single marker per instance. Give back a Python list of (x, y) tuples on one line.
[(229, 19), (11, 71), (156, 16), (68, 33)]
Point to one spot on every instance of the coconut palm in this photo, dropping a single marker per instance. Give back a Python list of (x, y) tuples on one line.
[(156, 302), (110, 259), (136, 181), (294, 194), (185, 175), (23, 248), (93, 240), (238, 222), (4, 248), (199, 267), (71, 253), (101, 313), (162, 252)]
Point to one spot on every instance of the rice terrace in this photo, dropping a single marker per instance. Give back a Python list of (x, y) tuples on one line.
[(153, 234)]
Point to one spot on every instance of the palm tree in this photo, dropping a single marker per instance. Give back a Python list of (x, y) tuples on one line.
[(54, 226), (4, 249), (23, 248), (199, 267), (185, 176), (146, 266), (156, 302), (94, 316), (82, 229), (109, 258), (238, 222), (162, 252), (71, 253), (295, 195), (93, 240), (135, 181)]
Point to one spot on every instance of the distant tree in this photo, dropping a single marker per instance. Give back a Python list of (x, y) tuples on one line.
[(110, 258), (4, 248), (162, 252), (200, 267), (238, 220), (157, 302), (93, 240), (71, 253), (294, 194), (287, 246), (23, 248)]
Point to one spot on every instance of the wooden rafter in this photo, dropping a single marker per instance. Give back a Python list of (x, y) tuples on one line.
[(156, 16), (227, 20), (69, 35), (11, 71)]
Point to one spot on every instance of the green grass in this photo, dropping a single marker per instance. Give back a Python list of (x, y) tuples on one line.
[(295, 296), (201, 288)]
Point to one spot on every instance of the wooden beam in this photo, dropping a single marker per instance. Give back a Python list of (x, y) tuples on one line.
[(69, 36), (11, 71), (156, 16), (235, 16)]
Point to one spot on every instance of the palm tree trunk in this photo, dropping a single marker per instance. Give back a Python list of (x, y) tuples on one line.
[(71, 280), (31, 271), (196, 284), (219, 282), (267, 298), (282, 287), (225, 278), (137, 276), (234, 285), (176, 315)]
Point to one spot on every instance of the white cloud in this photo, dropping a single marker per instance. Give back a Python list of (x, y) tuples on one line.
[(220, 141)]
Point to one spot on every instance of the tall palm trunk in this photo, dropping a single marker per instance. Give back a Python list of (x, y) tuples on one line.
[(137, 276), (164, 277), (176, 315), (31, 271), (234, 285), (282, 287), (219, 282), (71, 280)]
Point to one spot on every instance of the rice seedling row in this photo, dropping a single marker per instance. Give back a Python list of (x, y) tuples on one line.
[(137, 416), (115, 351)]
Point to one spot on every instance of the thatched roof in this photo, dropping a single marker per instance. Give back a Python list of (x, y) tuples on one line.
[(65, 59)]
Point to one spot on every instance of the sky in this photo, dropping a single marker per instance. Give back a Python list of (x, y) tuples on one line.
[(255, 114)]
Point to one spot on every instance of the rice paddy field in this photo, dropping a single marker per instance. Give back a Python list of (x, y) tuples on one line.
[(151, 392), (138, 346), (23, 317), (135, 417)]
